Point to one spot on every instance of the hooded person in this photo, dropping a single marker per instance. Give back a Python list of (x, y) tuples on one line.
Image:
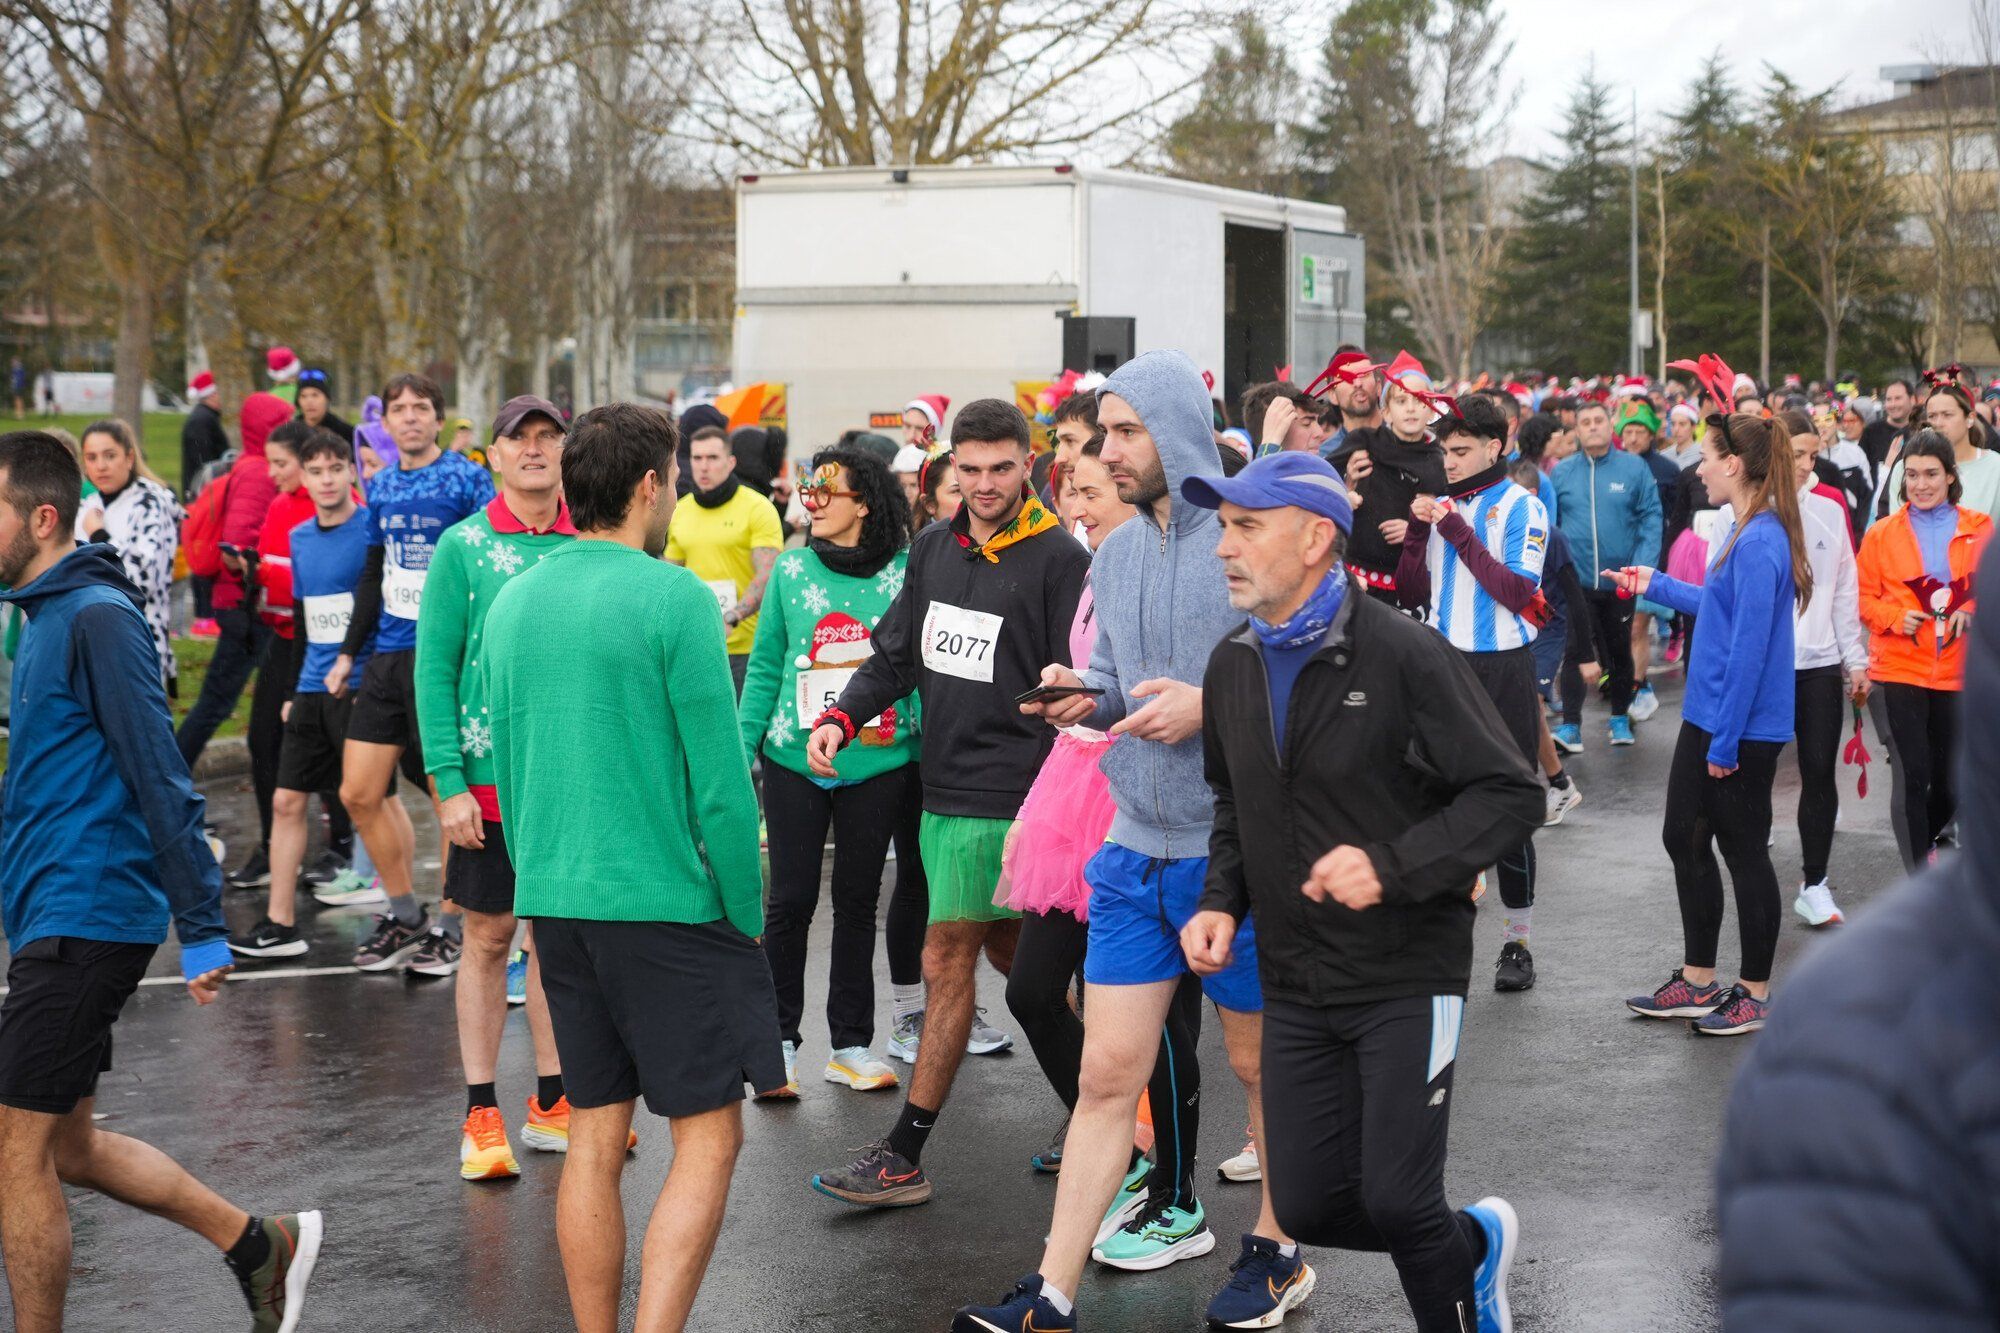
[(699, 416), (751, 446), (374, 447)]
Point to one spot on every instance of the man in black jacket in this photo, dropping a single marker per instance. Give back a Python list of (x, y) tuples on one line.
[(1362, 781), (202, 438)]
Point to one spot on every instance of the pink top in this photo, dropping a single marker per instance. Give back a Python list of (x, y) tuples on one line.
[(1083, 630)]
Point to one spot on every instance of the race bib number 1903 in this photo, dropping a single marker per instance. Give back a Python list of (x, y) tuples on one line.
[(958, 642)]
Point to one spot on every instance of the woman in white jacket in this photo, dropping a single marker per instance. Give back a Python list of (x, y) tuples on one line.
[(138, 515)]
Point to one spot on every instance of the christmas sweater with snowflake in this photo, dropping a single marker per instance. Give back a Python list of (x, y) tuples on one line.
[(815, 630), (470, 564)]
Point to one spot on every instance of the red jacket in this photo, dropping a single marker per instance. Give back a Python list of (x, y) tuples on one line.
[(251, 490), (274, 557)]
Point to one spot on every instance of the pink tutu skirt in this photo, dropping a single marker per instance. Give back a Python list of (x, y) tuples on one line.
[(1061, 826), (1688, 561)]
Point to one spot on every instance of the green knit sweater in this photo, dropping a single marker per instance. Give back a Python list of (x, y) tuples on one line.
[(815, 627), (470, 564), (624, 791)]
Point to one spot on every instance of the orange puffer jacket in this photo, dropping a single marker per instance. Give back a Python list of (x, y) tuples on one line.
[(1890, 563)]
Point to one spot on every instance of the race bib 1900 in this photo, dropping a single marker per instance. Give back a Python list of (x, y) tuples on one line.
[(327, 616), (958, 642), (402, 591)]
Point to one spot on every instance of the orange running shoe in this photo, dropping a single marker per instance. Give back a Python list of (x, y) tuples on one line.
[(548, 1131), (483, 1152)]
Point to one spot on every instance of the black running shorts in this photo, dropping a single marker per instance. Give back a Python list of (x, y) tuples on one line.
[(315, 734), (385, 710), (63, 995), (481, 880)]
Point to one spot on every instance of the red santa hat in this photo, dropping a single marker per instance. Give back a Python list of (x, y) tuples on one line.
[(1519, 392), (1408, 374), (1632, 386), (932, 405), (283, 364), (201, 386)]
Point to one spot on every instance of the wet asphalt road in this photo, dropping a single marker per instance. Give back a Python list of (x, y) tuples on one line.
[(342, 1092)]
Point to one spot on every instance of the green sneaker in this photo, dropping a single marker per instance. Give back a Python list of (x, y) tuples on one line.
[(1127, 1202), (1160, 1235), (276, 1291)]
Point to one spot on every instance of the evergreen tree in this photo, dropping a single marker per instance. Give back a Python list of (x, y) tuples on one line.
[(1238, 132)]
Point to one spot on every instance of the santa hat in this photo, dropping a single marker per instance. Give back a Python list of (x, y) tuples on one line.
[(908, 459), (1519, 392), (282, 363), (201, 386), (1683, 411), (1741, 383), (1632, 386), (932, 405), (1408, 374)]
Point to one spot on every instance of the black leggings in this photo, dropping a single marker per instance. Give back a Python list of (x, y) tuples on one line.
[(1821, 692), (276, 678), (1047, 960), (1924, 724), (1509, 681), (1735, 813), (1354, 1147), (1611, 626), (862, 815), (910, 902)]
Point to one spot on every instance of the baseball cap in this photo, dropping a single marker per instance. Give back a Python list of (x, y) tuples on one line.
[(517, 410), (1278, 481)]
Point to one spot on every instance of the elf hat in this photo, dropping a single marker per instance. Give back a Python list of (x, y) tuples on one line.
[(932, 405), (201, 386), (282, 363)]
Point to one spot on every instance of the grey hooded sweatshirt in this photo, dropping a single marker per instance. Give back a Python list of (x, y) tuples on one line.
[(1161, 607)]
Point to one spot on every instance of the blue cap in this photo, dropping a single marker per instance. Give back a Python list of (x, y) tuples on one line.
[(1277, 481)]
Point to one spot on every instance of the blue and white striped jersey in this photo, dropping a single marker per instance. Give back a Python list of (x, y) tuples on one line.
[(1513, 525)]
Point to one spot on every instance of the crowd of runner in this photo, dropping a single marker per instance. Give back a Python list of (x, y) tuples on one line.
[(1153, 702)]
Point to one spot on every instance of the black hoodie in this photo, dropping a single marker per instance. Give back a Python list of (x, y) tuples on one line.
[(1403, 471)]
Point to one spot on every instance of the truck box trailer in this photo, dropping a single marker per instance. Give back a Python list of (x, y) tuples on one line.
[(859, 288)]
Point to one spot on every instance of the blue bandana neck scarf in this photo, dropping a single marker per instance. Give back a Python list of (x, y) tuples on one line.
[(1310, 622)]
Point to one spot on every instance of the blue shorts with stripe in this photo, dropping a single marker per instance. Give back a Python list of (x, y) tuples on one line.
[(1138, 905)]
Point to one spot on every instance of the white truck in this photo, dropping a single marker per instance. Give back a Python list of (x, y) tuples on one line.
[(860, 288)]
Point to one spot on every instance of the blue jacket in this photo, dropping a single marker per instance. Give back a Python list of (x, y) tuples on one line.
[(1741, 685), (1609, 508), (1858, 1186), (100, 826), (1161, 609)]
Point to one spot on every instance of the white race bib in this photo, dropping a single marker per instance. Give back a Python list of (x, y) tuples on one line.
[(725, 594), (327, 616), (958, 642), (403, 591)]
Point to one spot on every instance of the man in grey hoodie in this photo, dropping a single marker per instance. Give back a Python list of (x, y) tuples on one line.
[(1162, 606)]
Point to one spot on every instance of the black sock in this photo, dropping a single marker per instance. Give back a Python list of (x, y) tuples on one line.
[(912, 1128), (1475, 1237), (1136, 1156), (548, 1090), (480, 1094), (1560, 781), (250, 1251)]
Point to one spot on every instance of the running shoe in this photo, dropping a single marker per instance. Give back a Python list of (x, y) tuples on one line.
[(326, 869), (1516, 969), (1049, 1160), (985, 1038), (790, 1090), (1568, 738), (517, 977), (391, 943), (276, 1288), (252, 874), (1263, 1286), (268, 939), (880, 1177), (548, 1131), (903, 1038), (483, 1150), (1620, 731), (1162, 1234), (1562, 800), (1489, 1284), (1645, 703), (1679, 998), (1815, 904), (439, 955), (1244, 1166), (206, 628), (348, 889), (217, 848), (1023, 1310), (857, 1067), (1673, 652), (1127, 1203), (1739, 1012)]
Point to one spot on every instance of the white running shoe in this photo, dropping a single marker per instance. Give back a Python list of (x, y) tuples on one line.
[(1645, 703), (905, 1036), (1815, 904), (347, 889), (1244, 1166), (857, 1067), (790, 1090), (1562, 800), (985, 1038)]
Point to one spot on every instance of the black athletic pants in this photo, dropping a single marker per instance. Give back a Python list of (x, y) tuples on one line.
[(1611, 625), (1822, 691), (1354, 1145), (862, 816), (1046, 961), (910, 901), (1509, 681), (1924, 724), (1734, 813), (276, 679)]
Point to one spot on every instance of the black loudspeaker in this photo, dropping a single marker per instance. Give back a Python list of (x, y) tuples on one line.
[(1098, 342)]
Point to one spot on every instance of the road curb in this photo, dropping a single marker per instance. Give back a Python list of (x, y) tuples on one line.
[(228, 757)]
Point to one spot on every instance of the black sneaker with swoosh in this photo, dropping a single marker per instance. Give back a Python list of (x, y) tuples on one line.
[(880, 1177)]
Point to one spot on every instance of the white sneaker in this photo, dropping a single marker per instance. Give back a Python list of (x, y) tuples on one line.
[(857, 1067), (1562, 800), (347, 890), (1244, 1166), (985, 1038), (791, 1089), (1815, 904), (1645, 703), (905, 1036)]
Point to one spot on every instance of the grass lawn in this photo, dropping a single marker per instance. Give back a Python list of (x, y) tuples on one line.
[(161, 440)]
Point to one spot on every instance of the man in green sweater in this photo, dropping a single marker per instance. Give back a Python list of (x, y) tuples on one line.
[(626, 802), (472, 562)]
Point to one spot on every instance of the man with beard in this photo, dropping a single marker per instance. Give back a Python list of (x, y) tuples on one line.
[(1354, 396), (729, 538), (1388, 467)]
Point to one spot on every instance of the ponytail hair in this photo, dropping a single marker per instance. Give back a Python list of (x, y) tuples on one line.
[(1756, 441)]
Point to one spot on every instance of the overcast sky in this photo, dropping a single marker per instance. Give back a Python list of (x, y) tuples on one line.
[(1662, 46)]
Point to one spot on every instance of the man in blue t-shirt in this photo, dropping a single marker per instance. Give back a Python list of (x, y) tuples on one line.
[(409, 508), (328, 555)]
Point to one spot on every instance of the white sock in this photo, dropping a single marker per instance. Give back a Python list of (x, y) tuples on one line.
[(1514, 924), (1290, 1249), (1055, 1298), (907, 999)]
